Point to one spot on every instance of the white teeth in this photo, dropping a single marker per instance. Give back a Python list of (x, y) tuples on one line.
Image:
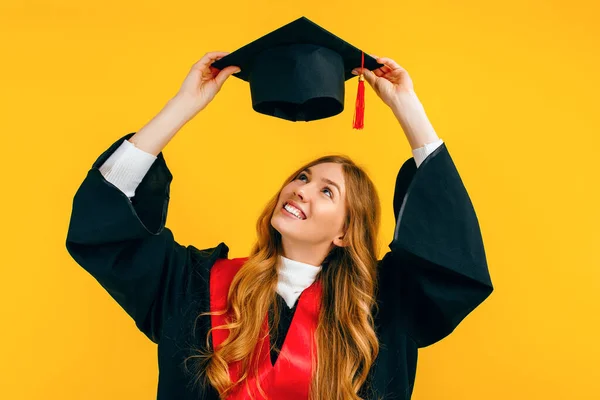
[(293, 210)]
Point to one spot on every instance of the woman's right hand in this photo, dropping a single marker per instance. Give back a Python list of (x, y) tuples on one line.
[(204, 82)]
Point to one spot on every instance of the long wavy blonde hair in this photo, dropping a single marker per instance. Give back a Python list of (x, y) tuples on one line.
[(346, 341)]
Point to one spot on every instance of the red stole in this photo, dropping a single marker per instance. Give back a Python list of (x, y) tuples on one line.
[(290, 377)]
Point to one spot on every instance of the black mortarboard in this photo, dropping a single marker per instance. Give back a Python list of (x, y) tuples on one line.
[(297, 72)]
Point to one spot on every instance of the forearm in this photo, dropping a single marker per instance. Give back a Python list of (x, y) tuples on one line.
[(414, 121), (156, 134)]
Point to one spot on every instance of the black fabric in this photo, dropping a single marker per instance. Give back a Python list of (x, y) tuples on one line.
[(297, 72), (286, 315), (434, 275)]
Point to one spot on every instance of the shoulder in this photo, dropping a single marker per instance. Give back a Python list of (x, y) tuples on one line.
[(224, 269), (212, 264), (203, 259), (199, 264), (221, 276)]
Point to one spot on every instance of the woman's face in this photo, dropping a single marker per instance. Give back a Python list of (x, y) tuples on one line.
[(311, 209)]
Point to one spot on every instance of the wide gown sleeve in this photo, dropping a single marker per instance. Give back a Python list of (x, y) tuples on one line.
[(126, 247), (436, 272)]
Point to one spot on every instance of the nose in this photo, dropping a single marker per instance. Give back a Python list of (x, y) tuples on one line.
[(304, 192), (301, 193)]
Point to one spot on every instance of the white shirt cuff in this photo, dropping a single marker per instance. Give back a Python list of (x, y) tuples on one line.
[(421, 153), (126, 167)]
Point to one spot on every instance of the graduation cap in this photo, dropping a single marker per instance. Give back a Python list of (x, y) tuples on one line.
[(298, 71)]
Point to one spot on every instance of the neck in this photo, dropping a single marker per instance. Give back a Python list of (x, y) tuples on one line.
[(293, 277), (306, 253)]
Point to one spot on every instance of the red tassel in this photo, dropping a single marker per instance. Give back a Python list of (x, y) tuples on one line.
[(359, 112)]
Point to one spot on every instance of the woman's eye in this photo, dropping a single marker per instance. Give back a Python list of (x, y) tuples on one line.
[(303, 176)]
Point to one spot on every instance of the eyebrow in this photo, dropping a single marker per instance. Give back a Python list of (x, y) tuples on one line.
[(332, 183)]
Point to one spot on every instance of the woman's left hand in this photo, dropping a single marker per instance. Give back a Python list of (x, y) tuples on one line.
[(390, 82), (394, 86)]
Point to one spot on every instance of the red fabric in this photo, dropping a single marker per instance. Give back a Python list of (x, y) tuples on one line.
[(359, 111), (290, 377)]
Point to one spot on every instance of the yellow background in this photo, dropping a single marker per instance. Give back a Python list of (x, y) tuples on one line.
[(511, 87)]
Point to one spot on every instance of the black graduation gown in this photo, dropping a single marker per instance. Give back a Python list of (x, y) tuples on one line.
[(434, 275)]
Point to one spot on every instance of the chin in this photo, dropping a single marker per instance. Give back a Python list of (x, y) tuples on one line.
[(282, 225), (279, 224)]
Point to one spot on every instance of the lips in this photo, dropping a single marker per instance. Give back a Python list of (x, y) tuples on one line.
[(295, 205)]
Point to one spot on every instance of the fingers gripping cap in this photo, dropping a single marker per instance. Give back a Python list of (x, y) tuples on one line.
[(298, 71)]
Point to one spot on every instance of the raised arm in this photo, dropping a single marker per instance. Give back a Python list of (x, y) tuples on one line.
[(436, 272), (199, 88), (129, 163), (117, 228), (126, 247)]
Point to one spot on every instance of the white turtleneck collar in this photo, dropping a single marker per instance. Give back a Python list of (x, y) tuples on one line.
[(293, 278)]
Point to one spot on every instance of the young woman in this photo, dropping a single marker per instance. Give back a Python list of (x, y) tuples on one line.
[(311, 312)]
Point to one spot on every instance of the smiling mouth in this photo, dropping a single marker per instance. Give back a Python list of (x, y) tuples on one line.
[(293, 211)]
